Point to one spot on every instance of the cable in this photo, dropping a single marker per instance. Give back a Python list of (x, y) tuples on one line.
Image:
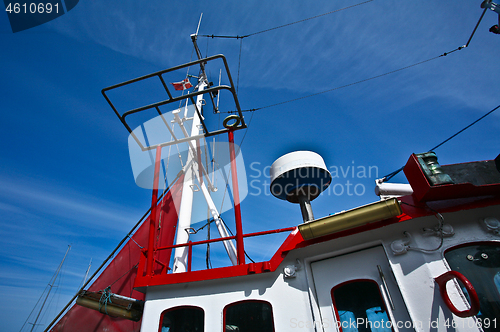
[(439, 230), (357, 82), (392, 174), (348, 85), (229, 229), (473, 123), (285, 25), (475, 28)]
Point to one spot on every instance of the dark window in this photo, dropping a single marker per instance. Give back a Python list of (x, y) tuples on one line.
[(359, 307), (480, 263), (182, 319), (249, 316)]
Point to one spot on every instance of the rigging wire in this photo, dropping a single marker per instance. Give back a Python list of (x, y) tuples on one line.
[(285, 25), (239, 64), (230, 232), (392, 174), (48, 289), (350, 84), (271, 29), (475, 28), (245, 134)]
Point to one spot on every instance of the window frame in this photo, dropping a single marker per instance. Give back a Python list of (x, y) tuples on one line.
[(335, 311), (162, 315), (224, 312)]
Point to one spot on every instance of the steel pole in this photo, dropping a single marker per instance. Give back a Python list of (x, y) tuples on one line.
[(240, 250)]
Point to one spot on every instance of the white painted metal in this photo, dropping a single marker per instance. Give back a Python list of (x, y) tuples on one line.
[(389, 190), (303, 302), (228, 244), (185, 210), (186, 206), (363, 264), (294, 160)]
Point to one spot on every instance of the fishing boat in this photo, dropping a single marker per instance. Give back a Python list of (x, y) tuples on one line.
[(424, 256)]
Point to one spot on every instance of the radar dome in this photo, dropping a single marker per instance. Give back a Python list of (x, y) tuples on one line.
[(299, 173)]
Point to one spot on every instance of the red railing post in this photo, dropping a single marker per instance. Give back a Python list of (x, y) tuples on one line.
[(152, 215), (240, 250), (190, 254)]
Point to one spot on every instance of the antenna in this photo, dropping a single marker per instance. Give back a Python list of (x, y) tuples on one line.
[(159, 132), (300, 177), (199, 23)]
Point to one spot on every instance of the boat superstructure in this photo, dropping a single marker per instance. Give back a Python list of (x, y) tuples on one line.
[(433, 265), (425, 257)]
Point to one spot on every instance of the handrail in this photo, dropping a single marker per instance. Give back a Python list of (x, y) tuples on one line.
[(474, 299), (274, 231)]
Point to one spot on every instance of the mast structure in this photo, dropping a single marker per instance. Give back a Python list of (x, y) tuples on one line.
[(195, 174), (50, 285), (194, 170)]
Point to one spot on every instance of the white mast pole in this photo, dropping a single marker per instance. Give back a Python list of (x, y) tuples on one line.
[(186, 207), (190, 174)]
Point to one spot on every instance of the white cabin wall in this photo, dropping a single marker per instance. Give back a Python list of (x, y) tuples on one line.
[(294, 303), (415, 271), (288, 298)]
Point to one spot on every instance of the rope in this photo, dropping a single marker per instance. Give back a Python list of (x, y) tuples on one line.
[(105, 299)]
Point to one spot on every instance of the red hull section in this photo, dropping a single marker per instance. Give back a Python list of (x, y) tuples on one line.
[(121, 272)]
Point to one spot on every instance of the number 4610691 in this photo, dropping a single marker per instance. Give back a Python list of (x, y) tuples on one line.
[(32, 8)]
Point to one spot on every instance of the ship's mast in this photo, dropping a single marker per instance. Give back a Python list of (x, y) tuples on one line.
[(186, 207), (193, 171)]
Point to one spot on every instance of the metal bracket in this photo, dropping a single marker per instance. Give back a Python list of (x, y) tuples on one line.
[(445, 231), (400, 247), (492, 225), (290, 271)]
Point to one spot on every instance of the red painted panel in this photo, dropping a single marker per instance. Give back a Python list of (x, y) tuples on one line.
[(121, 272)]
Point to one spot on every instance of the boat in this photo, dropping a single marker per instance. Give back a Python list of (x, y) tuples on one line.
[(424, 256)]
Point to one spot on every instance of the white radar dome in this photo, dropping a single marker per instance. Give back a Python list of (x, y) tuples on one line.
[(299, 174)]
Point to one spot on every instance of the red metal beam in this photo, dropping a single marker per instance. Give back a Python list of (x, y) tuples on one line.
[(153, 215), (240, 250)]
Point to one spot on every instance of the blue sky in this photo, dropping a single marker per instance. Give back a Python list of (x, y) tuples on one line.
[(65, 172)]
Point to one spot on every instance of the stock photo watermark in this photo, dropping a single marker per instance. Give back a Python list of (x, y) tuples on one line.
[(363, 323), (346, 180)]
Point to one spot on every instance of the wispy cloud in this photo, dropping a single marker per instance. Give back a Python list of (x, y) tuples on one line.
[(66, 203)]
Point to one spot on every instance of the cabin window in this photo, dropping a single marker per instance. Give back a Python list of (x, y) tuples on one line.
[(480, 263), (249, 316), (359, 307), (182, 319)]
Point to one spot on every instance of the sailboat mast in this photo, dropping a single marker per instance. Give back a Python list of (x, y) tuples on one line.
[(51, 285)]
